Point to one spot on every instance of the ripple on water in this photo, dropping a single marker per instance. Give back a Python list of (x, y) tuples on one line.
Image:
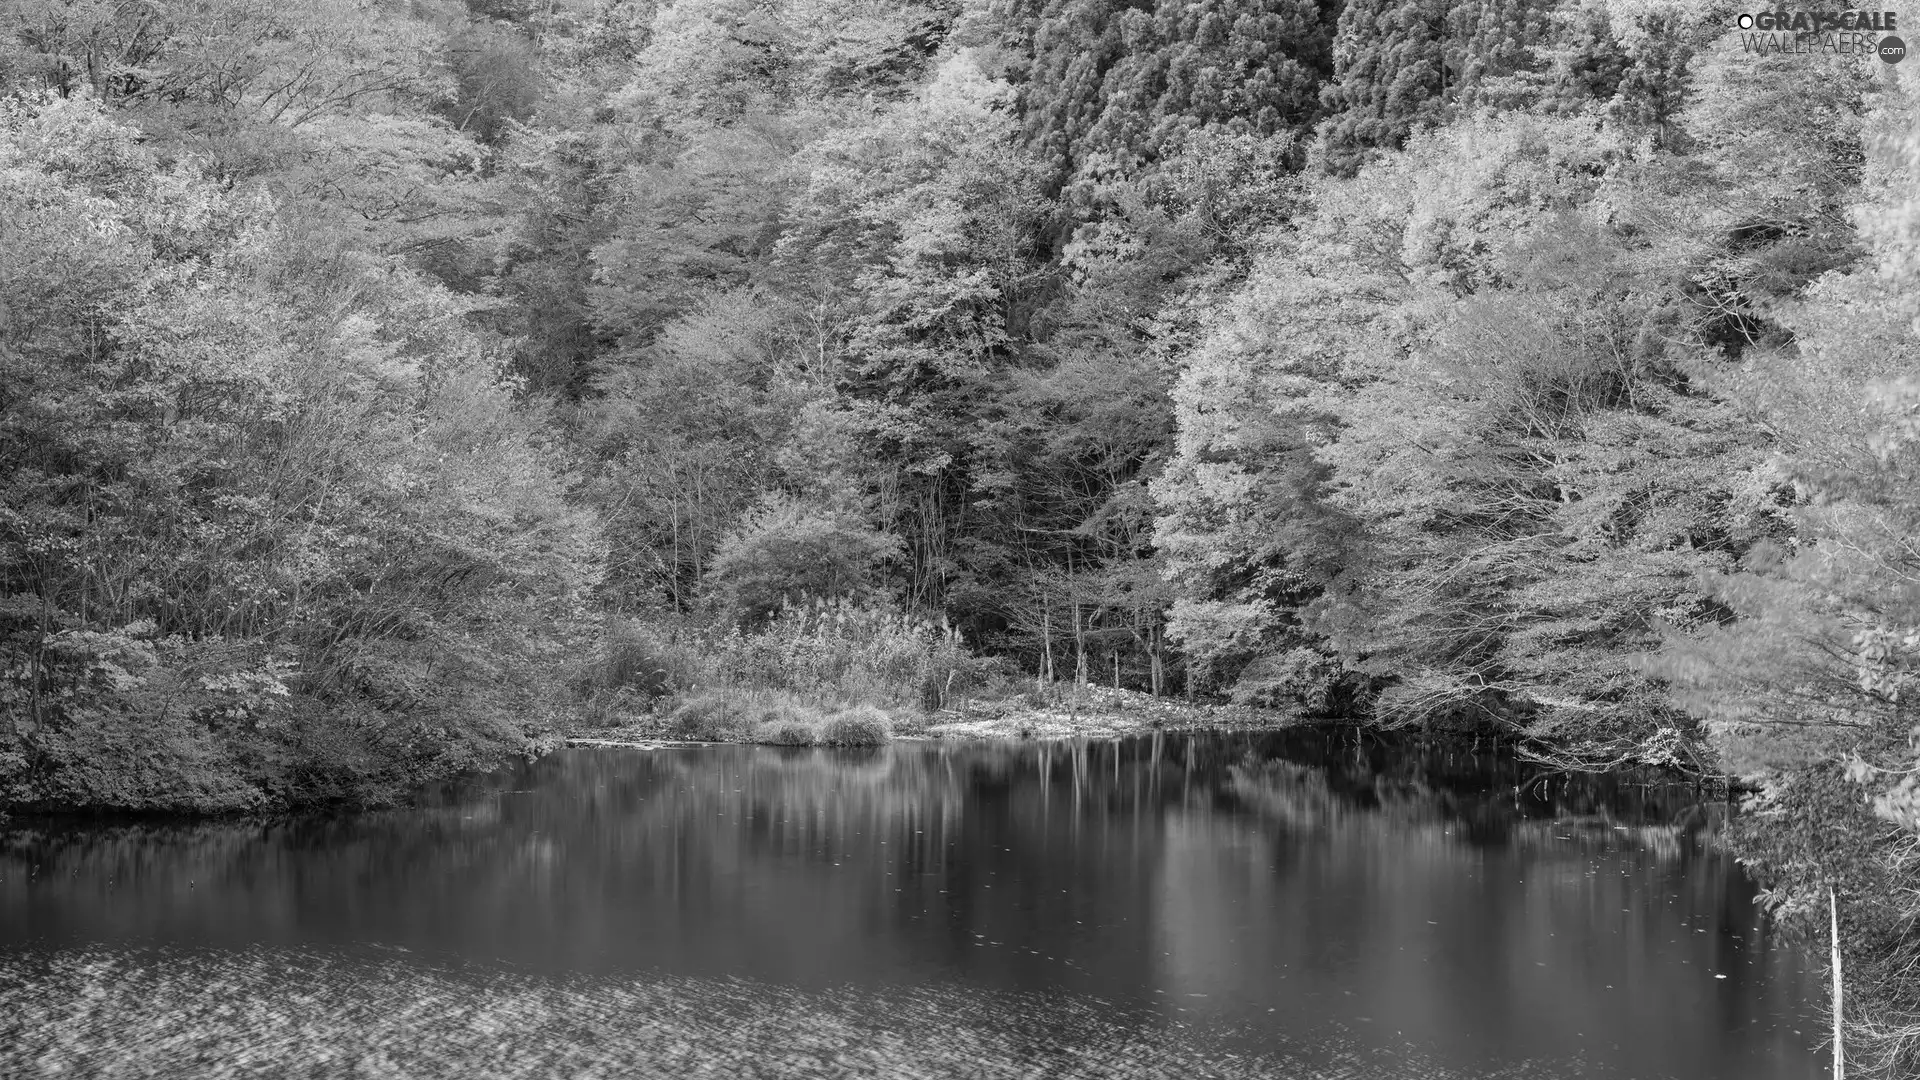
[(292, 1013)]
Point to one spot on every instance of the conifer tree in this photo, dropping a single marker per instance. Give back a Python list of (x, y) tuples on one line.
[(1114, 87), (1074, 44), (1401, 65), (1389, 77), (1492, 49)]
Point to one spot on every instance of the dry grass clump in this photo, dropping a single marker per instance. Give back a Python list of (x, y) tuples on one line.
[(786, 731), (860, 725), (770, 717), (776, 718)]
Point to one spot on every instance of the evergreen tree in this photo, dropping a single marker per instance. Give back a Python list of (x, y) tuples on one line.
[(1492, 48), (1401, 65), (1389, 76), (1074, 43), (1253, 70), (1113, 88)]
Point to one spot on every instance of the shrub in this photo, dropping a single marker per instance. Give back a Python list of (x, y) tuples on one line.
[(788, 550), (636, 657), (711, 717), (861, 725), (757, 716), (612, 708), (786, 731), (1299, 678)]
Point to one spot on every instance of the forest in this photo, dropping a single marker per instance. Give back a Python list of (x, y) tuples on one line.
[(382, 381)]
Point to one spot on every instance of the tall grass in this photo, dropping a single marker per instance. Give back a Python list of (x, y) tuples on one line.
[(825, 672), (835, 652), (776, 718), (840, 649)]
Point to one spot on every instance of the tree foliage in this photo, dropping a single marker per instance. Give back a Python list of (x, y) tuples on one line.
[(1534, 365), (1401, 66), (275, 517), (1809, 681), (1109, 88), (787, 552)]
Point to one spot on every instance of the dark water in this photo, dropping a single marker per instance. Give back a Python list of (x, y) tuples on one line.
[(1292, 905)]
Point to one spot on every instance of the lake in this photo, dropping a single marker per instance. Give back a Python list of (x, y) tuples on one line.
[(1299, 904)]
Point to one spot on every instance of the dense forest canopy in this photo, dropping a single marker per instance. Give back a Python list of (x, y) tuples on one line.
[(367, 367)]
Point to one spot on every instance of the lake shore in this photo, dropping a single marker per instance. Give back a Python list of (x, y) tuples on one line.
[(1094, 713)]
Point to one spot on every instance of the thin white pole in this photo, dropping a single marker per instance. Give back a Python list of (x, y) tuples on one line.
[(1839, 1058)]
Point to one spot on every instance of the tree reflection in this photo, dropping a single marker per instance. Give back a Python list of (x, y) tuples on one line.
[(1289, 886)]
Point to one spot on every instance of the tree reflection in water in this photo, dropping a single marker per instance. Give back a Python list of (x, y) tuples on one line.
[(1291, 892)]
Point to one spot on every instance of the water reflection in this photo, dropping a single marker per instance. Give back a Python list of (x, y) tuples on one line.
[(1316, 897)]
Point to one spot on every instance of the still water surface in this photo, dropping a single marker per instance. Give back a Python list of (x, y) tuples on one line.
[(1297, 904)]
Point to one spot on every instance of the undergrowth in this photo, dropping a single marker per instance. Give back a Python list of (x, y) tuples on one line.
[(826, 672)]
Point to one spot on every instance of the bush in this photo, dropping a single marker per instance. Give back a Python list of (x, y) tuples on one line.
[(861, 725), (788, 550), (786, 731), (756, 716), (612, 708), (637, 658), (708, 718), (1300, 679)]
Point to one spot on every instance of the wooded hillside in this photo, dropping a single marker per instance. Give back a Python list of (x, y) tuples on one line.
[(373, 373)]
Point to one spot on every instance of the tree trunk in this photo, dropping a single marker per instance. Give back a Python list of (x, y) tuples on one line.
[(1079, 629), (1079, 649), (1046, 644), (1155, 665)]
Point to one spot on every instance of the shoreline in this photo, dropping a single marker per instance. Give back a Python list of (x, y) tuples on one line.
[(1102, 714)]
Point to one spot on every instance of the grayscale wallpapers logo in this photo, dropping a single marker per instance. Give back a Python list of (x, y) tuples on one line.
[(1844, 33)]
